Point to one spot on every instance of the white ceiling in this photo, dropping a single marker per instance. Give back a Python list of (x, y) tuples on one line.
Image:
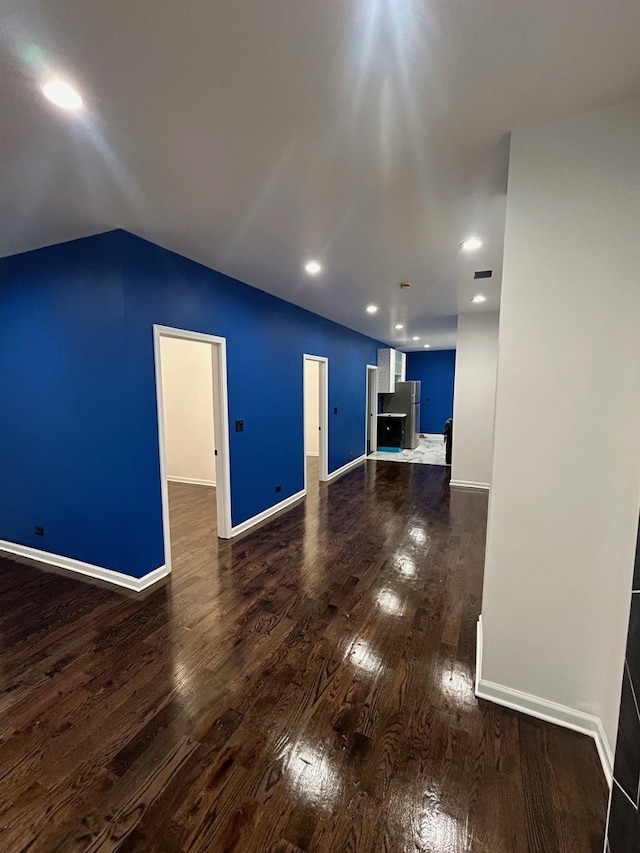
[(253, 135)]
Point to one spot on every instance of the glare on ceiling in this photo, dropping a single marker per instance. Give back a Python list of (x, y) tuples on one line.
[(371, 309), (62, 95), (415, 338), (479, 298), (313, 267), (427, 346), (470, 244), (399, 326)]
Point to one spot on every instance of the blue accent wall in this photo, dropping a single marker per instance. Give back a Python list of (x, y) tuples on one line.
[(79, 450), (436, 371)]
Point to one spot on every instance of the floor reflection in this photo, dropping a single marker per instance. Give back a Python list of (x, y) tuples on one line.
[(390, 603), (306, 686), (311, 775), (315, 517), (458, 685), (361, 655)]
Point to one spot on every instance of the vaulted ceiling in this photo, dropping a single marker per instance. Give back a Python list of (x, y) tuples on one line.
[(252, 136)]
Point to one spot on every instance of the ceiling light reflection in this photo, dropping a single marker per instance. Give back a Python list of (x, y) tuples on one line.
[(361, 654), (312, 776), (406, 566), (418, 535), (181, 676), (436, 830), (390, 603), (458, 686)]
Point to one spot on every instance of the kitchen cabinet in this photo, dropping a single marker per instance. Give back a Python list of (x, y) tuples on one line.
[(392, 368)]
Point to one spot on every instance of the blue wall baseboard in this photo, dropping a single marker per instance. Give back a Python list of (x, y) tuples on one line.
[(436, 372), (79, 452)]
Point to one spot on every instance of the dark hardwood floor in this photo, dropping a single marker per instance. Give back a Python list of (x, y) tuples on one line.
[(308, 687)]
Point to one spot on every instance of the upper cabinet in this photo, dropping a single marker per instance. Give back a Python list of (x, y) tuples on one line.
[(392, 368)]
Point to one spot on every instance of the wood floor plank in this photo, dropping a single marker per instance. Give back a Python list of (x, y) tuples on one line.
[(306, 688)]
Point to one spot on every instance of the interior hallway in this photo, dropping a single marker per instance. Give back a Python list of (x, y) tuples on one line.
[(308, 686)]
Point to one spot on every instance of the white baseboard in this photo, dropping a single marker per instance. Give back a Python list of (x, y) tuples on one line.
[(468, 484), (87, 569), (343, 470), (192, 481), (544, 709), (267, 513)]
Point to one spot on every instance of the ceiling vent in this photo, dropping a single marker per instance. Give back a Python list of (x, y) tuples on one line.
[(483, 274)]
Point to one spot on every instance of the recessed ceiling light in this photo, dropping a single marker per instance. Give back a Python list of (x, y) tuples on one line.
[(479, 298), (371, 309), (399, 326), (415, 338), (427, 346), (62, 95), (313, 267), (470, 244)]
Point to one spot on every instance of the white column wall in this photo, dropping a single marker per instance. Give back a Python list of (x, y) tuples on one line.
[(187, 395), (474, 399), (312, 407), (566, 472)]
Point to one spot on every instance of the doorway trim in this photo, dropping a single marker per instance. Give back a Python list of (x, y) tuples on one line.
[(220, 424), (323, 417), (372, 373)]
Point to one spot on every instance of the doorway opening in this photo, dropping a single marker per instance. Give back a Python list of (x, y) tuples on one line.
[(193, 434), (315, 401), (371, 427)]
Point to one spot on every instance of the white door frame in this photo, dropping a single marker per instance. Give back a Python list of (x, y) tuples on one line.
[(370, 411), (323, 417), (220, 425)]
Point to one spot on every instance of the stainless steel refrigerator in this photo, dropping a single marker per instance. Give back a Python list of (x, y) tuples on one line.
[(406, 400)]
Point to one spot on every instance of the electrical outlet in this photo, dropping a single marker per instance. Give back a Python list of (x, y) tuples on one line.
[(239, 426), (39, 531), (278, 488)]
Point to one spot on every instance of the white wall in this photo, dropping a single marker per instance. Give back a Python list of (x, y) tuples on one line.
[(312, 406), (566, 474), (187, 394), (474, 398)]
